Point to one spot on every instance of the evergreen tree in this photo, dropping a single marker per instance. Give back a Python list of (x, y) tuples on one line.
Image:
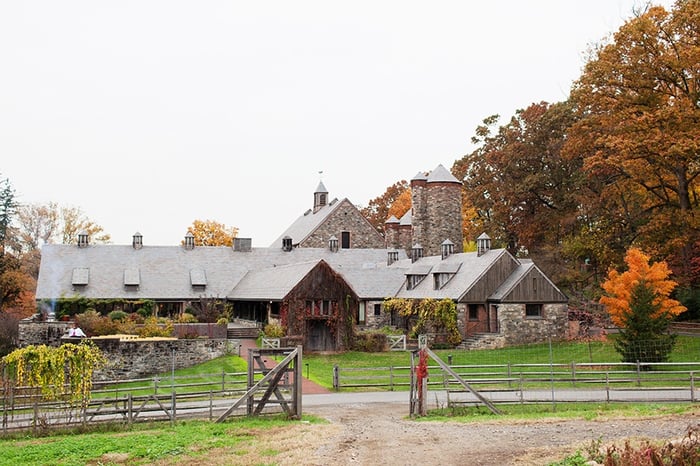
[(645, 337)]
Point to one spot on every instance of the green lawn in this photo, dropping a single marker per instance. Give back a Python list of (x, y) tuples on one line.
[(144, 443)]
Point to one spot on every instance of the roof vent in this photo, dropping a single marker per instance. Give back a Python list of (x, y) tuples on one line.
[(416, 252), (483, 244), (137, 241), (333, 244), (287, 243), (83, 239), (392, 256), (448, 248), (189, 240), (242, 244)]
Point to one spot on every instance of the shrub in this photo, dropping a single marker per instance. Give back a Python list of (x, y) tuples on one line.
[(117, 316), (371, 341), (186, 318), (273, 330), (153, 328)]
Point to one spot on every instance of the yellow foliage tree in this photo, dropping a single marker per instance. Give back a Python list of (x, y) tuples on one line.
[(211, 233), (619, 287)]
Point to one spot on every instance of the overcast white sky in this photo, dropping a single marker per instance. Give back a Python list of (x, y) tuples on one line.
[(148, 115)]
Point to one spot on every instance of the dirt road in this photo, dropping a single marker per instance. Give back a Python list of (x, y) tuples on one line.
[(370, 435)]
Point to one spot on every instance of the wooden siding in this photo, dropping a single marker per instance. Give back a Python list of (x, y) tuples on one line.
[(491, 280), (534, 287), (322, 283)]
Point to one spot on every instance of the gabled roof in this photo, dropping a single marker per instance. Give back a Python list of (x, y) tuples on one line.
[(272, 283), (305, 225), (468, 266), (527, 269)]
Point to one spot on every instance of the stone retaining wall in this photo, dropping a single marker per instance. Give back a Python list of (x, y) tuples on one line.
[(131, 359)]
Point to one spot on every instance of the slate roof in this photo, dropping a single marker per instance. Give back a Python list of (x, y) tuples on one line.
[(303, 226), (169, 272)]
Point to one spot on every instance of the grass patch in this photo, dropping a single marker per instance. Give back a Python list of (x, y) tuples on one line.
[(143, 443), (539, 411)]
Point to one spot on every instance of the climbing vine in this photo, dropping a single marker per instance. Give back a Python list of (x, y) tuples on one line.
[(428, 315), (63, 372)]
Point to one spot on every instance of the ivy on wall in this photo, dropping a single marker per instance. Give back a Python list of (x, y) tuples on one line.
[(427, 315)]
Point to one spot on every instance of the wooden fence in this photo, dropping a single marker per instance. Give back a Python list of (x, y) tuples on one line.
[(528, 376), (128, 401)]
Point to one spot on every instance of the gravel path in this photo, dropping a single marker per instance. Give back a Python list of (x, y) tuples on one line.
[(370, 434)]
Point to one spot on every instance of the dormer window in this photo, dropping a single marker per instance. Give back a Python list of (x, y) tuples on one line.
[(416, 274), (81, 276), (137, 241), (333, 244), (189, 241), (412, 281), (132, 279), (83, 239), (198, 279), (443, 273)]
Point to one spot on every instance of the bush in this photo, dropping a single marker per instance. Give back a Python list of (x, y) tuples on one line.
[(186, 318), (370, 341), (273, 330), (118, 316), (153, 328)]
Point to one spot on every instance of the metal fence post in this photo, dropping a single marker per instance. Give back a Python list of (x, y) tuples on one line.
[(336, 377)]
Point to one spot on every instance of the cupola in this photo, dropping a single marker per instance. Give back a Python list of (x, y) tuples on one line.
[(189, 241), (483, 244), (83, 239), (137, 241), (416, 252), (448, 248), (333, 244)]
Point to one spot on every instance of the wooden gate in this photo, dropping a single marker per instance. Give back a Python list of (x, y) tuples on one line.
[(275, 381)]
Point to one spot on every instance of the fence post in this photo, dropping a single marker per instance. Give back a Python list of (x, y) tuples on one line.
[(692, 387), (211, 405), (223, 381), (336, 377), (129, 407), (607, 387), (172, 407), (573, 373), (510, 375), (391, 378)]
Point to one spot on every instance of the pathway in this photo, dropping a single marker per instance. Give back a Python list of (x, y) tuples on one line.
[(307, 388)]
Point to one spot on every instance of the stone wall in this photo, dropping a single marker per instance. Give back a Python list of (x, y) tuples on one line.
[(42, 332), (518, 330), (345, 218), (130, 359)]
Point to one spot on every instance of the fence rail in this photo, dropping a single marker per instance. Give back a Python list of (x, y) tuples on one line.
[(529, 376), (128, 401)]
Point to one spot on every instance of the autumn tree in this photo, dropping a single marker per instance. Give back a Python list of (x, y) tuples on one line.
[(638, 301), (211, 233), (73, 221), (8, 206), (639, 132), (378, 209)]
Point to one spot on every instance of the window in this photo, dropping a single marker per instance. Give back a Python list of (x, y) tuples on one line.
[(533, 310), (473, 312), (412, 281), (345, 239), (441, 279), (377, 309), (361, 314)]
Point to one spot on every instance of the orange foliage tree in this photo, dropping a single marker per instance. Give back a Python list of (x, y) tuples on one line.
[(211, 233), (619, 288)]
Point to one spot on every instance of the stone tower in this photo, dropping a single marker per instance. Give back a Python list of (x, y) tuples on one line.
[(437, 210)]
